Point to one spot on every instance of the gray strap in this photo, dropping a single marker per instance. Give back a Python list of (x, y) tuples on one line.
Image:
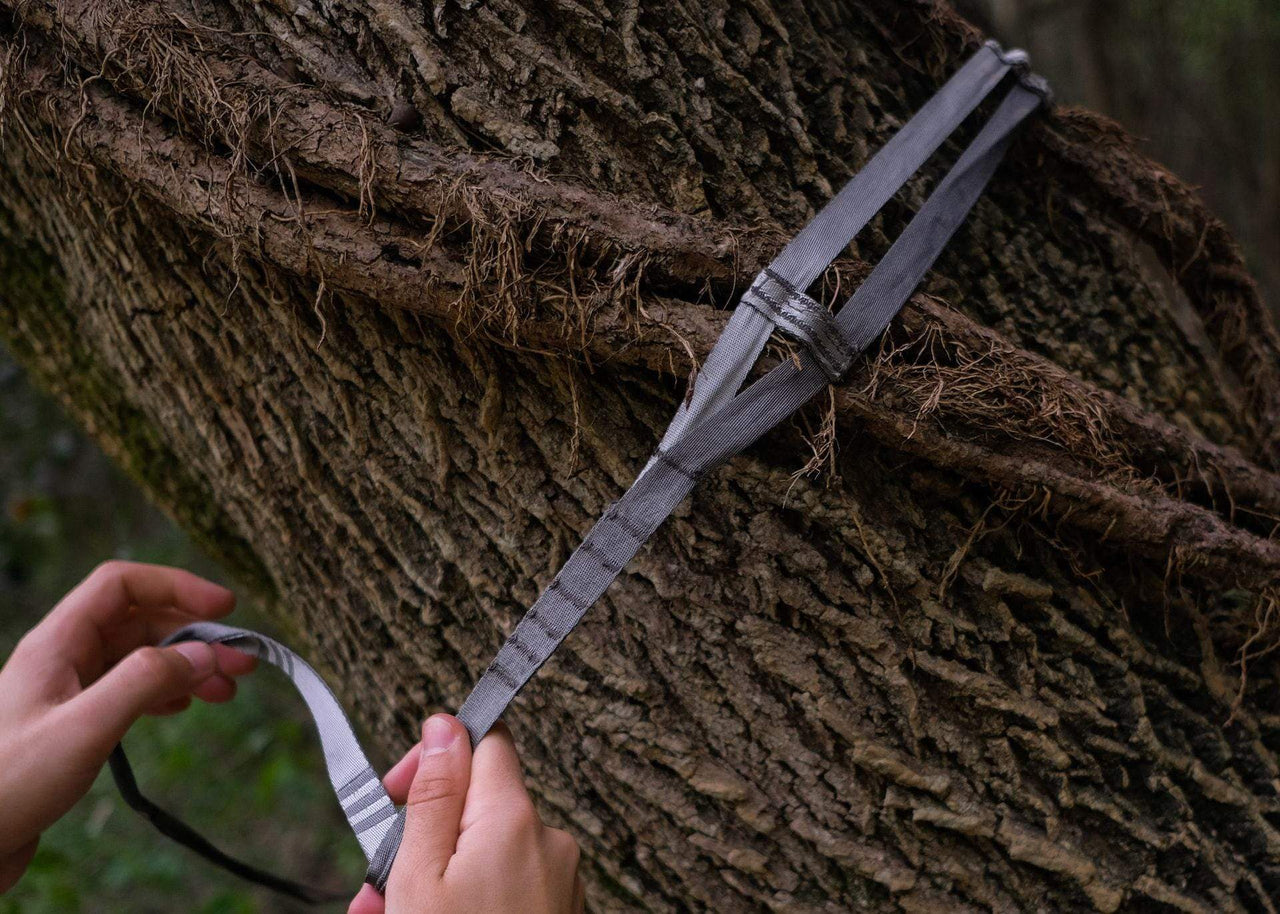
[(821, 241), (369, 810), (802, 318), (671, 474), (716, 423), (883, 293), (835, 225), (793, 383), (610, 545)]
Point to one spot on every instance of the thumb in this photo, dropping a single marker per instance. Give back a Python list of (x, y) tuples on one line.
[(144, 679), (433, 817)]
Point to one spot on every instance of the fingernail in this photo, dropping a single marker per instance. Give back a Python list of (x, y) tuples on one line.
[(437, 735), (201, 657)]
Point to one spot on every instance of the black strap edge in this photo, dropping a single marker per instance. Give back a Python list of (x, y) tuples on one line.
[(178, 831)]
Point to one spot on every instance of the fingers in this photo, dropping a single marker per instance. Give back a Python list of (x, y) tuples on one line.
[(563, 848), (12, 866), (400, 776), (368, 901), (114, 588), (218, 688), (150, 677), (177, 706), (119, 607), (562, 855), (497, 792), (436, 796), (222, 686), (232, 662), (489, 853)]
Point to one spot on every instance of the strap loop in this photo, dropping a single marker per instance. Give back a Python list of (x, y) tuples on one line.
[(1020, 62), (372, 816), (801, 317), (732, 421)]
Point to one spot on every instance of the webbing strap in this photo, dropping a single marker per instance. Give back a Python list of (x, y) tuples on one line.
[(717, 421), (671, 474), (830, 231), (371, 814), (801, 317)]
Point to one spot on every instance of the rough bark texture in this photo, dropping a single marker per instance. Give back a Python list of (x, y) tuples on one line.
[(387, 301)]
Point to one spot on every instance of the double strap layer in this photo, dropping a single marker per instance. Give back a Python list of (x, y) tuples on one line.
[(717, 420)]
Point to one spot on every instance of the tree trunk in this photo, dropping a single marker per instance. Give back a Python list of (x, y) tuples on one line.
[(387, 301)]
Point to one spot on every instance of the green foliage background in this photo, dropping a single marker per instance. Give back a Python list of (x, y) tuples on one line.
[(1196, 80)]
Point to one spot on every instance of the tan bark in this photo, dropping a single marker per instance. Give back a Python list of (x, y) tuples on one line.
[(386, 303)]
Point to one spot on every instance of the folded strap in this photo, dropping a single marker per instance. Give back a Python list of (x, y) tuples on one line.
[(830, 231), (671, 473), (371, 814), (802, 318)]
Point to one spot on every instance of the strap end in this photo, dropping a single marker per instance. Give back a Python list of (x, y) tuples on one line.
[(1019, 61)]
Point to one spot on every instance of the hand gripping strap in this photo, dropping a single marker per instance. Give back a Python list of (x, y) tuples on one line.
[(370, 812)]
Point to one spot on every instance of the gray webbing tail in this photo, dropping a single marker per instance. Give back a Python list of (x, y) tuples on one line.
[(718, 420), (375, 820)]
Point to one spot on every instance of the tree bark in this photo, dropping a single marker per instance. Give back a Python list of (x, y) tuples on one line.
[(385, 302)]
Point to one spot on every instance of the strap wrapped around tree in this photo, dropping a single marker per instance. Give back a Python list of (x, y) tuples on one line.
[(385, 304), (714, 423)]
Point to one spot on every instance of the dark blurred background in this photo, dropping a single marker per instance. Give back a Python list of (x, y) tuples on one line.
[(1198, 80)]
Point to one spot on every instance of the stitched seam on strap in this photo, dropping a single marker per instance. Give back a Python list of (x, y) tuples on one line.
[(832, 367), (820, 332), (521, 648), (662, 455), (781, 280), (591, 549), (497, 669), (806, 333), (772, 313), (558, 586), (542, 623), (824, 325), (625, 525)]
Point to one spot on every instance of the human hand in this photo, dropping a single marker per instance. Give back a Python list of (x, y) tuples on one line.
[(472, 839), (78, 680)]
